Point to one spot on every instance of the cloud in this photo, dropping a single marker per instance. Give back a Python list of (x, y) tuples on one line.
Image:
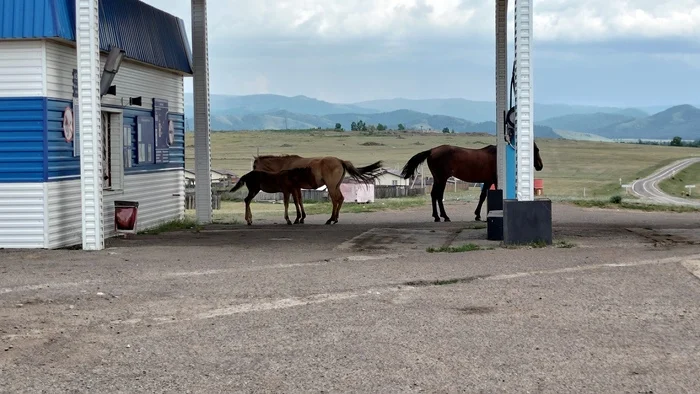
[(340, 20), (348, 50)]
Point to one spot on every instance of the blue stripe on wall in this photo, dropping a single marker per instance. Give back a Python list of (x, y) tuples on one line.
[(22, 139), (62, 164), (60, 160)]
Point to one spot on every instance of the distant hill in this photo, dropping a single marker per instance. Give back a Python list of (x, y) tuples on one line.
[(681, 120), (586, 122), (634, 112), (481, 111), (265, 103), (270, 111), (412, 120)]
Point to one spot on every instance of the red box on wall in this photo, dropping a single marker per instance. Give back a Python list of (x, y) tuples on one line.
[(125, 215)]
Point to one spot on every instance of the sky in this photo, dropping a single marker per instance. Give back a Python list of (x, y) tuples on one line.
[(597, 52)]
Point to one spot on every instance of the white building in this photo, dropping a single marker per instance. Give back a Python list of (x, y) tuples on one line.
[(142, 124), (391, 177)]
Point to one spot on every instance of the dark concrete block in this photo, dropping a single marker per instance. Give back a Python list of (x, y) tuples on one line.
[(527, 221), (494, 226), (494, 200)]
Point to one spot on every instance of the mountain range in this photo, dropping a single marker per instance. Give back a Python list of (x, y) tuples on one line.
[(269, 111)]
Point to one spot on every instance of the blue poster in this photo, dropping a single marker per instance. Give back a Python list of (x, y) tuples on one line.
[(160, 115)]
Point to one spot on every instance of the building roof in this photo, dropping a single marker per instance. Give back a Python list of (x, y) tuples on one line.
[(391, 172), (144, 32)]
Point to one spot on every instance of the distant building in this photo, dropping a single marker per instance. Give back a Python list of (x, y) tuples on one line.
[(390, 177)]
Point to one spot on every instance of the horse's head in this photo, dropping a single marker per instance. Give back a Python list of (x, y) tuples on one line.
[(538, 159)]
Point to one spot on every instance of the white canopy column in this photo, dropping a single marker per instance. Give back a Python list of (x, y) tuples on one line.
[(501, 87), (202, 141), (524, 126), (88, 53)]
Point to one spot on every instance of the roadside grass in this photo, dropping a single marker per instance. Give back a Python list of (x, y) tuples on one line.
[(175, 225), (675, 185), (455, 249), (607, 204)]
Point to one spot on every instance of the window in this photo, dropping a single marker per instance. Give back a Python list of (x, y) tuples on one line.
[(394, 182), (112, 151)]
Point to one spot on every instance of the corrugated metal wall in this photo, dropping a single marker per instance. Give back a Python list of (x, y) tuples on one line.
[(37, 19), (21, 69), (22, 139), (132, 80), (64, 213), (161, 197), (146, 34), (60, 160), (22, 222)]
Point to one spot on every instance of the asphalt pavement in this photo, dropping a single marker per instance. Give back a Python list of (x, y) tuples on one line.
[(648, 188), (361, 306)]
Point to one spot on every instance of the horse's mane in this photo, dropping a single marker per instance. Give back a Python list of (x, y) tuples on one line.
[(267, 157)]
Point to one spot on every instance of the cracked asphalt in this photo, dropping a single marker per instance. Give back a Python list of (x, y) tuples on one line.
[(360, 306)]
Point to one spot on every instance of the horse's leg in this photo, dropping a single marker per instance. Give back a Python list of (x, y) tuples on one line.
[(248, 199), (286, 207), (442, 207), (341, 198), (433, 198), (484, 189), (301, 204), (331, 195), (337, 198), (296, 194)]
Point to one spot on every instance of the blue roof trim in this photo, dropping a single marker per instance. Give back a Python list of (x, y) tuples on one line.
[(145, 33)]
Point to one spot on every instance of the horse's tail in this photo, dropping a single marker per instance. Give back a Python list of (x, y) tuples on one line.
[(410, 168), (363, 174), (239, 184)]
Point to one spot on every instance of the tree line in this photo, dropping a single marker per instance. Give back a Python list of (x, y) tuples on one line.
[(362, 126)]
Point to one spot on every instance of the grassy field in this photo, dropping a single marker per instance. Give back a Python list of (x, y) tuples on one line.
[(569, 166), (675, 186)]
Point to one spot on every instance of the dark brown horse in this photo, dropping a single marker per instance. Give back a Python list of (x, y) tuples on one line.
[(467, 164), (287, 182), (328, 170)]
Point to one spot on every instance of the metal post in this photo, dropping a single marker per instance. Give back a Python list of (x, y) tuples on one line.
[(501, 88), (524, 100), (87, 40), (202, 139)]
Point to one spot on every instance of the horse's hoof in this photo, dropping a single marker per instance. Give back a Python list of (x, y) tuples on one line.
[(289, 222), (437, 220), (328, 221), (447, 219), (296, 221), (478, 218), (250, 223)]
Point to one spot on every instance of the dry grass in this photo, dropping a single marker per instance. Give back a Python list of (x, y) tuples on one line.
[(569, 166)]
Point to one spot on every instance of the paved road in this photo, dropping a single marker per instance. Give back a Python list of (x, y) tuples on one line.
[(361, 307), (647, 188)]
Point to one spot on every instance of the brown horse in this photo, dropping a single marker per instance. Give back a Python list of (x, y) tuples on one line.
[(327, 170), (287, 182), (467, 164)]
